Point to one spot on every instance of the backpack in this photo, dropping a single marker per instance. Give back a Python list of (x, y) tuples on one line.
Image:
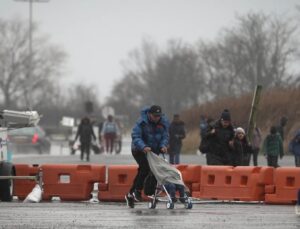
[(110, 127), (150, 184), (204, 146)]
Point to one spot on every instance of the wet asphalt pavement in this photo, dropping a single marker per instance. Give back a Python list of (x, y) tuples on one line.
[(117, 215), (208, 214)]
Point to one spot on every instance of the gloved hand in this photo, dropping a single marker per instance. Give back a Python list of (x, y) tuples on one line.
[(147, 149), (164, 149)]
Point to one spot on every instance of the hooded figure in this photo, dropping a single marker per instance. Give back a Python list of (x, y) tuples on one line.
[(273, 147), (219, 138)]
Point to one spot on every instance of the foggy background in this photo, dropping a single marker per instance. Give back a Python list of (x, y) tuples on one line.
[(132, 53)]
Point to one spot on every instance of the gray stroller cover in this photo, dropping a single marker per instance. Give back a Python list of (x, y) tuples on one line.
[(163, 171)]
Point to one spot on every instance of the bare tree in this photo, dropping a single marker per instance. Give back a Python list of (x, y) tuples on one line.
[(177, 81), (257, 51), (170, 77), (18, 85)]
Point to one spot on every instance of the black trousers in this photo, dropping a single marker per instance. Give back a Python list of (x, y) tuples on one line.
[(255, 155), (85, 148), (273, 161), (143, 170), (214, 159)]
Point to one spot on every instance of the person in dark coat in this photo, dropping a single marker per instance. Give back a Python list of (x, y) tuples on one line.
[(176, 133), (220, 141), (242, 150), (150, 134), (294, 148), (280, 129), (85, 133), (273, 147)]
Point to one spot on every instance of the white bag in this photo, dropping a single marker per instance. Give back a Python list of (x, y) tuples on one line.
[(35, 196)]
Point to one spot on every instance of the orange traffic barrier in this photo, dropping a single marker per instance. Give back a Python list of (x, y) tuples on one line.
[(119, 181), (71, 182), (191, 175), (21, 188), (244, 183), (285, 188)]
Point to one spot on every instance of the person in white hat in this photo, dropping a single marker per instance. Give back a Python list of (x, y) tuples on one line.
[(242, 150)]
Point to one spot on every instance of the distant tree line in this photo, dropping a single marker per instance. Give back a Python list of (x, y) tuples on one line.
[(258, 49), (37, 86)]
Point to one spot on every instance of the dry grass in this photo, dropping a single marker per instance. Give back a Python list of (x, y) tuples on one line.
[(274, 104)]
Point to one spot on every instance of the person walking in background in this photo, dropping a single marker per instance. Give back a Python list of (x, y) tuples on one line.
[(256, 142), (273, 147), (176, 133), (294, 148), (100, 126), (110, 131), (280, 129), (241, 148), (85, 133), (150, 134), (219, 141)]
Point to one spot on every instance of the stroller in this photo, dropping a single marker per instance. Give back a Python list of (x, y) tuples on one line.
[(169, 180)]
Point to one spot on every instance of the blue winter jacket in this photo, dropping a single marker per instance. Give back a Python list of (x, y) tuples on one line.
[(147, 133), (294, 146)]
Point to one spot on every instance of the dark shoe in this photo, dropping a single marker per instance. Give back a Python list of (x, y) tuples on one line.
[(129, 200), (174, 199), (183, 200), (137, 195)]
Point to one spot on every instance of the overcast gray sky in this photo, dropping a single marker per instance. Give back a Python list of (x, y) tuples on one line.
[(98, 34)]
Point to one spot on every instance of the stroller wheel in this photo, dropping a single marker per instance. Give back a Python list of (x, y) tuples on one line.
[(152, 205), (188, 204), (170, 205)]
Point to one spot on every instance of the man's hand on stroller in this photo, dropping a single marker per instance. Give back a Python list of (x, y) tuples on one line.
[(164, 149), (147, 149)]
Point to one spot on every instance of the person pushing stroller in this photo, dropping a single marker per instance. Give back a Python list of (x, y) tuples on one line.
[(150, 134)]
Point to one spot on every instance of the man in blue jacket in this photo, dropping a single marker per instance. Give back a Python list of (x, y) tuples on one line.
[(150, 134)]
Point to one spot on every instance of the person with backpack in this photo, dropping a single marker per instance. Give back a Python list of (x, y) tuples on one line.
[(294, 148), (109, 133), (218, 141), (85, 133), (273, 147), (176, 133), (150, 134)]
